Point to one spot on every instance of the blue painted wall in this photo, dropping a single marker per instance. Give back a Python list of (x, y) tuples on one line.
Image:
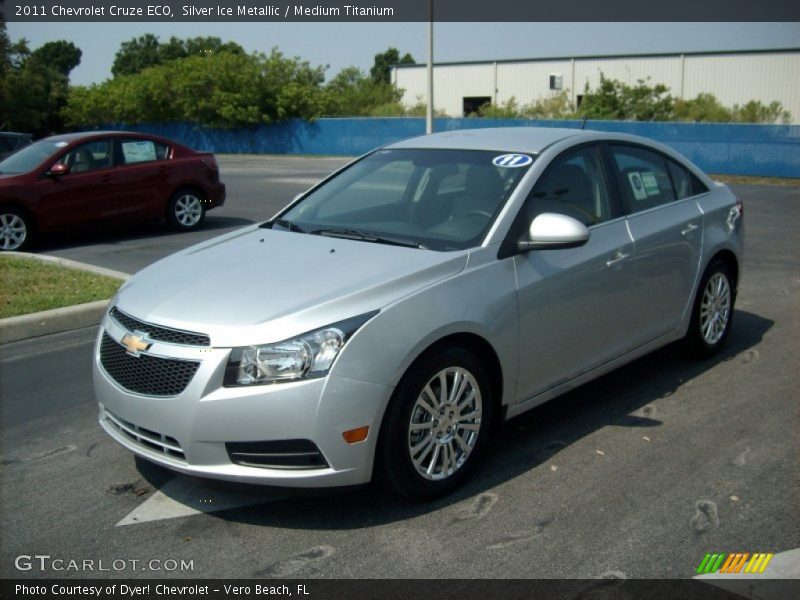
[(766, 150)]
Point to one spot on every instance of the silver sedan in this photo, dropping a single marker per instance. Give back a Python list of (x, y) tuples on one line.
[(384, 322)]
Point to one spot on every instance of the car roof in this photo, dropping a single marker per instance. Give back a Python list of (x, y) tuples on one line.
[(520, 139), (71, 137)]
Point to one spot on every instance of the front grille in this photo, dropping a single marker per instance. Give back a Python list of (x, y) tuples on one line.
[(144, 374), (145, 437), (277, 454), (159, 333)]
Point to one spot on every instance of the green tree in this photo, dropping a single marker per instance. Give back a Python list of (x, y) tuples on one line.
[(757, 112), (60, 55), (703, 108), (213, 89), (138, 54), (384, 61), (33, 85), (352, 93), (509, 109), (614, 100), (553, 107)]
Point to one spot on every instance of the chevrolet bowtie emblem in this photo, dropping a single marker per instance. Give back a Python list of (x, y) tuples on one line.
[(136, 342)]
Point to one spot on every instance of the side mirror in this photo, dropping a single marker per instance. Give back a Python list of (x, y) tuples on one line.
[(550, 231), (58, 169)]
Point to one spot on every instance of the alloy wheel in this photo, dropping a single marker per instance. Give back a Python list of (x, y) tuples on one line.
[(715, 308), (188, 210), (13, 231), (445, 423)]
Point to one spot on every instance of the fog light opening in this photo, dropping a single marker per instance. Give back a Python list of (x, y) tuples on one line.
[(353, 436)]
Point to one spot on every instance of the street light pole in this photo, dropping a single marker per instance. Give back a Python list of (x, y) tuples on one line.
[(429, 109)]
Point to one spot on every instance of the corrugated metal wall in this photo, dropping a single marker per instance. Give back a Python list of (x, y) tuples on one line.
[(734, 78), (737, 79)]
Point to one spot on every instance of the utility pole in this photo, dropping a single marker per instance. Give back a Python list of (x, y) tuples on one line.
[(429, 109)]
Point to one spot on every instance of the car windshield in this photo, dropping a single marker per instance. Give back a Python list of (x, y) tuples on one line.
[(30, 157), (437, 199)]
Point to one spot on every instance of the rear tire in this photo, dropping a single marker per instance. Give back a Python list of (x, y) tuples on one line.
[(436, 425), (16, 230), (712, 313), (186, 210)]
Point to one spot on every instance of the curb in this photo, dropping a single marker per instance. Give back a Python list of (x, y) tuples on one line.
[(70, 264), (56, 320)]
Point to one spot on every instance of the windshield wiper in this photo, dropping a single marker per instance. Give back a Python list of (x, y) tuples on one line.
[(355, 234), (286, 224)]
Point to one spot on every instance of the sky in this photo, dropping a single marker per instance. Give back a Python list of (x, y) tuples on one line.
[(340, 45)]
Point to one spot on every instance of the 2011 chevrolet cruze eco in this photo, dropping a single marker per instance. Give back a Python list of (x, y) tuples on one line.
[(385, 320)]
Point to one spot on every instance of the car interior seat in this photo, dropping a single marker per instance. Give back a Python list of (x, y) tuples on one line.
[(82, 160)]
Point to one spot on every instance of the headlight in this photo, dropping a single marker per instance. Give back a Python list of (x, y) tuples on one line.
[(303, 357)]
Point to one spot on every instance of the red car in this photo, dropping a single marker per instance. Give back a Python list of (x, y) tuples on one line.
[(81, 179)]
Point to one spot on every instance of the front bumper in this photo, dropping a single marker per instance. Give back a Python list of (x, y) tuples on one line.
[(188, 432)]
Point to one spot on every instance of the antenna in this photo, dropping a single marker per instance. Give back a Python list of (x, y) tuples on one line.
[(583, 123)]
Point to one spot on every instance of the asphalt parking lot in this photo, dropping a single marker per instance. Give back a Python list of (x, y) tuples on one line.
[(636, 475)]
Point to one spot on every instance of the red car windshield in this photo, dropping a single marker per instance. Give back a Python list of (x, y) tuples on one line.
[(30, 157)]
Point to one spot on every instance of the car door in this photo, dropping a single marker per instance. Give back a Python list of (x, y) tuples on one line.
[(666, 226), (81, 196), (572, 314), (141, 169)]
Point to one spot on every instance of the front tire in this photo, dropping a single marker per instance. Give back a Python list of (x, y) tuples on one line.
[(16, 230), (712, 313), (436, 424), (186, 211)]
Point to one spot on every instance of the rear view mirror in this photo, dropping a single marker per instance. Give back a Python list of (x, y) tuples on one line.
[(58, 169), (550, 231)]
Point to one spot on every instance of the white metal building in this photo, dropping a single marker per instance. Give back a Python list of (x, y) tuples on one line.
[(734, 77)]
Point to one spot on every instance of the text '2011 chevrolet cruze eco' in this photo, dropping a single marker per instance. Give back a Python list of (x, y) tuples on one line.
[(384, 321)]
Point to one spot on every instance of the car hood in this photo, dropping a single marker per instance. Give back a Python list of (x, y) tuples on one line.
[(259, 285)]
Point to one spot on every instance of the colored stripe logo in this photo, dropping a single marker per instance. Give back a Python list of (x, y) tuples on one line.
[(512, 160), (737, 562)]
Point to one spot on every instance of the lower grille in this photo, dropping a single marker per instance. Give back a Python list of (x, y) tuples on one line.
[(279, 454), (143, 374), (145, 437)]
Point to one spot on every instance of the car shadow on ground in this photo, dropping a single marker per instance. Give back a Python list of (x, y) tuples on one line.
[(117, 234), (620, 398)]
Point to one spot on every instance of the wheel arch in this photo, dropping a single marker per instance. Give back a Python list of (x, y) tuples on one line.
[(21, 208), (728, 257), (486, 353)]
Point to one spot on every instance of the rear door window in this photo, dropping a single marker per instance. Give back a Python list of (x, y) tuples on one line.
[(137, 151), (643, 177)]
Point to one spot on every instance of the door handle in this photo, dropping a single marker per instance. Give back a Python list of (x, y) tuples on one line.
[(689, 229), (619, 256)]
